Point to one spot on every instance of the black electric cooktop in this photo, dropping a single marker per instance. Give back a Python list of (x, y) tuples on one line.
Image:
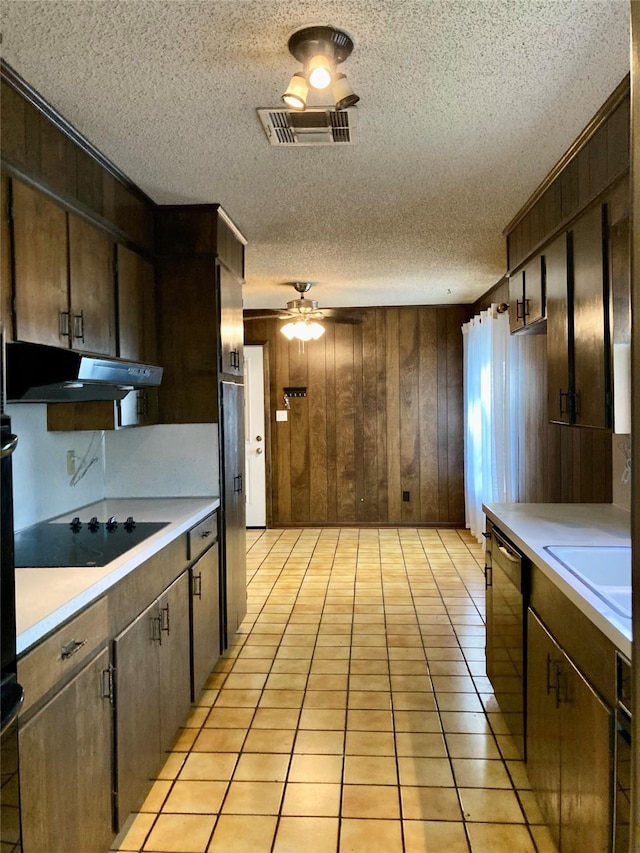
[(80, 543)]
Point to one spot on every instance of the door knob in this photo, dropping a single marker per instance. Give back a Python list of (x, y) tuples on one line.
[(258, 438), (259, 450)]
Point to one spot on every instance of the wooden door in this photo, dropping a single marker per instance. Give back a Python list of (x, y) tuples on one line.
[(41, 288), (65, 768), (586, 766), (231, 324), (543, 722), (205, 604), (136, 307), (233, 504), (590, 331), (92, 306), (175, 670), (137, 685), (6, 281), (558, 327)]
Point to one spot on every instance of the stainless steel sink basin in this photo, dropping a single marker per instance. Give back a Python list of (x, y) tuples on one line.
[(605, 569)]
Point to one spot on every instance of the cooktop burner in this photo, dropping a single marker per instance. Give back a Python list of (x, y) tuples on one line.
[(80, 543)]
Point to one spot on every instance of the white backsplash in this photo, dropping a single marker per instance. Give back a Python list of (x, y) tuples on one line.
[(168, 460), (156, 461), (621, 465), (41, 486)]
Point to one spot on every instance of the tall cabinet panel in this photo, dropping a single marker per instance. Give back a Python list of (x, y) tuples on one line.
[(558, 323), (200, 278), (234, 539)]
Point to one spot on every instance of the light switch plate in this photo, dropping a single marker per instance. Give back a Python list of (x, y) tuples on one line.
[(282, 415)]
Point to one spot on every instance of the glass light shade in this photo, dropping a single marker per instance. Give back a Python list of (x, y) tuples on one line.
[(319, 72), (297, 91), (302, 331), (343, 94)]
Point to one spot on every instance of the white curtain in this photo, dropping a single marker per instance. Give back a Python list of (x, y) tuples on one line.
[(490, 415)]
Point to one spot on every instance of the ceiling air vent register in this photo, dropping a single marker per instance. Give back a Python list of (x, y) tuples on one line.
[(314, 126)]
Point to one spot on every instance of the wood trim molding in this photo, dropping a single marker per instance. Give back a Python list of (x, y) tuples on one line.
[(610, 105), (20, 85)]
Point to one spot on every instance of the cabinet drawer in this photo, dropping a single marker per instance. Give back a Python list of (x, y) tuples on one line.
[(201, 536), (58, 656)]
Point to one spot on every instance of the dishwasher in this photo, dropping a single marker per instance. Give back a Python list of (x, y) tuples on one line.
[(507, 574)]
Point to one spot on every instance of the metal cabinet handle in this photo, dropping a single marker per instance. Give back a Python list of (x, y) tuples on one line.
[(156, 629), (196, 588), (164, 619), (69, 649), (107, 683), (237, 484), (9, 446), (64, 324), (78, 326), (564, 396)]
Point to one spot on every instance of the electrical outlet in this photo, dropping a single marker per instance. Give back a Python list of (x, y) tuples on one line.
[(71, 462), (406, 496)]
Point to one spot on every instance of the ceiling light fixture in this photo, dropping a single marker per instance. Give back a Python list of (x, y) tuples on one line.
[(303, 330), (320, 50)]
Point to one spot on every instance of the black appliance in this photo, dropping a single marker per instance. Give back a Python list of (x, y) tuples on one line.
[(88, 543), (11, 693), (36, 373), (623, 752), (507, 574)]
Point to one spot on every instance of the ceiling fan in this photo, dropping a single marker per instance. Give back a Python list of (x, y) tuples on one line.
[(301, 309)]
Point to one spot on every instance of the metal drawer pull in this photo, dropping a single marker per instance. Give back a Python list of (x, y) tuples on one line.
[(69, 649), (107, 683), (156, 636), (508, 554), (206, 533)]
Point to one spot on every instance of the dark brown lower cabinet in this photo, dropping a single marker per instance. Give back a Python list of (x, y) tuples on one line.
[(205, 614), (569, 747), (65, 768), (152, 692)]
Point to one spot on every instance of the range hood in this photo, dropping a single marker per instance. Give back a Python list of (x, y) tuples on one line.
[(37, 373)]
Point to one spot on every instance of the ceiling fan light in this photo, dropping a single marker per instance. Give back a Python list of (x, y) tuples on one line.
[(297, 91), (302, 331), (319, 71), (343, 94)]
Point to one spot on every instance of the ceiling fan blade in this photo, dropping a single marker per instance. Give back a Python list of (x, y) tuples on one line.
[(274, 314), (349, 321)]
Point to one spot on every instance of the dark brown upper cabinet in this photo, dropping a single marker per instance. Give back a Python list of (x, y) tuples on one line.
[(231, 324), (578, 333), (558, 387), (527, 304), (6, 283), (63, 286), (91, 287), (41, 268)]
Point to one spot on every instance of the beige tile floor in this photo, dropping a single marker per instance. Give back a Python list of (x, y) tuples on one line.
[(352, 713)]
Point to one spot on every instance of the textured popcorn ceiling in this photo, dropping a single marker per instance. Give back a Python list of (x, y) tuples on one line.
[(465, 107)]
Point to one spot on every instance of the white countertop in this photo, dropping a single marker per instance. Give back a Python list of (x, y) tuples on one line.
[(45, 598), (532, 526)]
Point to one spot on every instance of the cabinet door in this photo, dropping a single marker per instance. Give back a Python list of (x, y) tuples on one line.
[(139, 408), (543, 722), (586, 767), (516, 301), (231, 324), (6, 280), (175, 670), (591, 333), (557, 331), (534, 290), (93, 318), (205, 604), (65, 768), (136, 307), (41, 268), (234, 519), (137, 683)]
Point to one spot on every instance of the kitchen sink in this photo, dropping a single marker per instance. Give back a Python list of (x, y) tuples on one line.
[(605, 569)]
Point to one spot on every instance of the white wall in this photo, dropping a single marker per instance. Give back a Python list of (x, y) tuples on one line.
[(157, 461), (168, 460), (41, 486)]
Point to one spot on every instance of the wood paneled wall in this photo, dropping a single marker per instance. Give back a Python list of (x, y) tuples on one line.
[(382, 416)]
